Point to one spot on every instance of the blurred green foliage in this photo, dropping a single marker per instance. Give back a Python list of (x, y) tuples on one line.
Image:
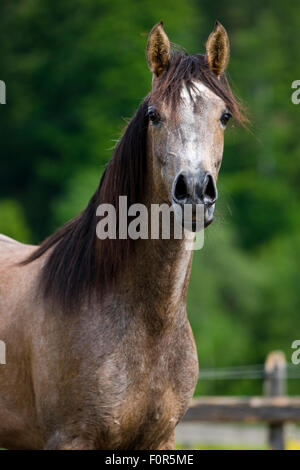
[(74, 70)]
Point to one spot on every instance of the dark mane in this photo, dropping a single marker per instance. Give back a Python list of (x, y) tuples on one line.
[(78, 263)]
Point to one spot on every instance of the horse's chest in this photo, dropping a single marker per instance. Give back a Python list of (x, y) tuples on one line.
[(148, 398), (146, 419)]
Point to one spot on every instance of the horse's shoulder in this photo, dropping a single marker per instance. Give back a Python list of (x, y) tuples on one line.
[(13, 248)]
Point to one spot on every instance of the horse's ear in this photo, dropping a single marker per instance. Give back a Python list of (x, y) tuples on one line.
[(218, 49), (158, 50)]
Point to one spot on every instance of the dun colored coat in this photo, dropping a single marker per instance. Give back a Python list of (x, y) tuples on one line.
[(100, 352)]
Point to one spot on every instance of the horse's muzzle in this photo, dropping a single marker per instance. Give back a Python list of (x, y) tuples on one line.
[(197, 188)]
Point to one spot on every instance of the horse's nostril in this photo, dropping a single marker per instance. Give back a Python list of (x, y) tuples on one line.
[(195, 188), (180, 189), (209, 189)]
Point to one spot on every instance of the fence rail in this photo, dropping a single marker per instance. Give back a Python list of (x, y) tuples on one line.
[(248, 410), (274, 408)]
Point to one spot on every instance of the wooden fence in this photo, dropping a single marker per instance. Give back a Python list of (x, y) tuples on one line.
[(274, 408)]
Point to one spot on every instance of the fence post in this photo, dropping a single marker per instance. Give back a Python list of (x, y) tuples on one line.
[(275, 386)]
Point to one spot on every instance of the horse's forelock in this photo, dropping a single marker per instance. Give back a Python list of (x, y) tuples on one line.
[(184, 70)]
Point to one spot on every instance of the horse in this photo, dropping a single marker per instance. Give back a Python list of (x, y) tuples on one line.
[(99, 349)]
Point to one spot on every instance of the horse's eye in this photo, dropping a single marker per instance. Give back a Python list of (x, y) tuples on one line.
[(153, 115), (225, 118)]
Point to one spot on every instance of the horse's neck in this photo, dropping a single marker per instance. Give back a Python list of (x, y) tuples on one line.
[(157, 280), (159, 275), (163, 268)]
